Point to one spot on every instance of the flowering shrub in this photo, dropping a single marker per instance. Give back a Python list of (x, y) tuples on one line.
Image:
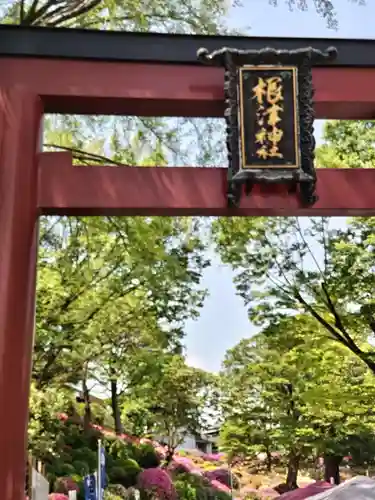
[(191, 487), (268, 493), (196, 472), (220, 486), (64, 485), (57, 496), (213, 457), (223, 476), (178, 468), (157, 483), (182, 464)]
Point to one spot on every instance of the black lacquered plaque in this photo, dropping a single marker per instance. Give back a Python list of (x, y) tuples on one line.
[(268, 107), (269, 117)]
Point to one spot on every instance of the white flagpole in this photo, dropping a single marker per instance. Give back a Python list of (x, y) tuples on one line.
[(99, 478)]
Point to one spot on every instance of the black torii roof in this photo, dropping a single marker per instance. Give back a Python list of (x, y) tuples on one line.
[(19, 41)]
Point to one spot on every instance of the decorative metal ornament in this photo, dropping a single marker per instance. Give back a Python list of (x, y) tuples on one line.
[(269, 117)]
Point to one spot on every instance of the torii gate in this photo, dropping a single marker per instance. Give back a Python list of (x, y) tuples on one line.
[(74, 71)]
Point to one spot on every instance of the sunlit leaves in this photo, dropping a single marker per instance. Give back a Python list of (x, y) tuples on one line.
[(292, 387), (285, 266), (105, 281), (348, 144)]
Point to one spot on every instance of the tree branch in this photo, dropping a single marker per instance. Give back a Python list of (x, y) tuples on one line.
[(30, 13), (338, 322), (80, 154), (75, 13), (352, 346), (321, 320)]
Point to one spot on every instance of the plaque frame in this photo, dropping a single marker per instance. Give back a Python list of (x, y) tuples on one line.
[(301, 179)]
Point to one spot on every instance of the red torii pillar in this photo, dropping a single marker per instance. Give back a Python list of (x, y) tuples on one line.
[(20, 117)]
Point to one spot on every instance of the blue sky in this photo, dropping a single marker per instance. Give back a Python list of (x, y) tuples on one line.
[(223, 321)]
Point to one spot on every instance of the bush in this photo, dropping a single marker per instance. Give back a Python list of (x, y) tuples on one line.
[(57, 496), (194, 480), (219, 495), (125, 474), (131, 469), (220, 486), (61, 469), (178, 468), (117, 490), (181, 465), (223, 476), (147, 457), (192, 487), (156, 483), (81, 468), (110, 496), (185, 490), (120, 450), (65, 484)]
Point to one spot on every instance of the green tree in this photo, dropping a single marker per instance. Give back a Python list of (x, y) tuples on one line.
[(44, 426), (292, 390), (98, 308), (114, 14), (176, 398), (288, 265), (107, 290)]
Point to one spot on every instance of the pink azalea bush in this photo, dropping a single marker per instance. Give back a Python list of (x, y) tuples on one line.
[(181, 465), (179, 468), (223, 476), (184, 463), (157, 482), (219, 486), (196, 472), (307, 492), (57, 496), (268, 493)]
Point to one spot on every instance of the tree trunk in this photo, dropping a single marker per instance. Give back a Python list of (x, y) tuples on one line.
[(269, 461), (86, 400), (293, 466), (169, 456), (115, 408), (331, 468)]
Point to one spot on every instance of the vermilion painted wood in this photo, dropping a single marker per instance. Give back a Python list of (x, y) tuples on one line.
[(169, 90), (64, 189), (20, 115), (124, 88)]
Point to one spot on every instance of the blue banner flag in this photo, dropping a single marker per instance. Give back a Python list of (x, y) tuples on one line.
[(90, 487), (103, 476)]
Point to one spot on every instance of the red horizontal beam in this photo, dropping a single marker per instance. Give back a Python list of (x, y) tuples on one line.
[(142, 89), (68, 190)]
